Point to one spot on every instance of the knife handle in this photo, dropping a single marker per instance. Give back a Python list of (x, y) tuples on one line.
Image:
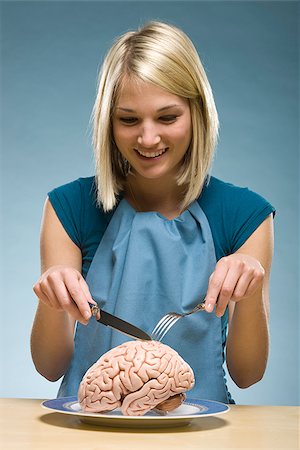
[(94, 309)]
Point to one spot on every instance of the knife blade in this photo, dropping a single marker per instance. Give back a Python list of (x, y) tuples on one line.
[(119, 324)]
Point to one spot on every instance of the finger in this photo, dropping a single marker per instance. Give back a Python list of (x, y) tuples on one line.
[(77, 294), (86, 291), (243, 285), (227, 290), (236, 271), (90, 300), (41, 296), (214, 286), (59, 281), (254, 284), (48, 292), (66, 302)]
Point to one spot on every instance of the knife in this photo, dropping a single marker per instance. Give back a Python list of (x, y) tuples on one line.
[(119, 324)]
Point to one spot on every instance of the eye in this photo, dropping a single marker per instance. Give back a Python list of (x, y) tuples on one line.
[(169, 118), (128, 120)]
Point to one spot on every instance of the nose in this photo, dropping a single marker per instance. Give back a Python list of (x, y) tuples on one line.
[(149, 136)]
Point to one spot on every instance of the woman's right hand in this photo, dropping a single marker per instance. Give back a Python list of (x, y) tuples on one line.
[(63, 288)]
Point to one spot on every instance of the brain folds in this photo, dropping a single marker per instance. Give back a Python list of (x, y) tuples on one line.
[(136, 376)]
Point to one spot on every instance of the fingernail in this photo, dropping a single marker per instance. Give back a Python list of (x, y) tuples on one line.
[(209, 307), (87, 314)]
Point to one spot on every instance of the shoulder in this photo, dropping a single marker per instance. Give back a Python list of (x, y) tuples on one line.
[(218, 193), (233, 213), (77, 197), (221, 190), (80, 187), (76, 207)]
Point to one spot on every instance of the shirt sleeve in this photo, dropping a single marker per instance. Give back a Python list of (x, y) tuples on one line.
[(245, 211), (75, 204), (234, 213), (67, 203)]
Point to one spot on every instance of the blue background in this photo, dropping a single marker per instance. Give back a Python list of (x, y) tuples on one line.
[(51, 53)]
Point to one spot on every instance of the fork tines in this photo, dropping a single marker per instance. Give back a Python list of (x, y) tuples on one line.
[(164, 325)]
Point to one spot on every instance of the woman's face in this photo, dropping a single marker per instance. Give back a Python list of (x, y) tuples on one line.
[(152, 128)]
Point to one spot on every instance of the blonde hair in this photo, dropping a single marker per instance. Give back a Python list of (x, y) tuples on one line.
[(161, 54)]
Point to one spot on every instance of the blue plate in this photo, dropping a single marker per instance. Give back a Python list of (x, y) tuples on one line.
[(189, 411)]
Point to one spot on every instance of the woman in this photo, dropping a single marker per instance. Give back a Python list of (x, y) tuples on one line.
[(152, 232)]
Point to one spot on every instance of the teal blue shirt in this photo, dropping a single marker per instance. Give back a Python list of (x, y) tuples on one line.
[(233, 214)]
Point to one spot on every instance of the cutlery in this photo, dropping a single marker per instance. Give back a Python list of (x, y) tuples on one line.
[(167, 321), (119, 324)]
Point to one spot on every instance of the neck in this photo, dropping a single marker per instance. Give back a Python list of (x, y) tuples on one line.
[(163, 196)]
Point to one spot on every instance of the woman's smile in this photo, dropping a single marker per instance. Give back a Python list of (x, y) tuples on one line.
[(155, 154)]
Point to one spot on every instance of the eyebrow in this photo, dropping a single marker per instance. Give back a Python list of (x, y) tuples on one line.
[(159, 110)]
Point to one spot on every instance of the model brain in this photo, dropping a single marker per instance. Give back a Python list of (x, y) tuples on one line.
[(136, 376)]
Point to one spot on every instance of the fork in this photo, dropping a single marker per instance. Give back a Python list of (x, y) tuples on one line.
[(167, 321)]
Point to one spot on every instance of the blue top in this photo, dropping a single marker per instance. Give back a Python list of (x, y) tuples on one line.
[(233, 214)]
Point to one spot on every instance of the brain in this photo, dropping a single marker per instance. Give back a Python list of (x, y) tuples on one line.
[(136, 376)]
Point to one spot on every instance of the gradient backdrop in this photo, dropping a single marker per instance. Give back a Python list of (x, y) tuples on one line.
[(51, 52)]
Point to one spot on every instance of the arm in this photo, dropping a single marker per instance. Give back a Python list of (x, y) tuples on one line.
[(63, 296), (248, 335), (241, 281)]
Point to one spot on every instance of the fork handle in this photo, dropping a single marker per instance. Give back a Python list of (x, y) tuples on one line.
[(199, 307)]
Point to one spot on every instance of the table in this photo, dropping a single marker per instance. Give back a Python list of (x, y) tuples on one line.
[(26, 425)]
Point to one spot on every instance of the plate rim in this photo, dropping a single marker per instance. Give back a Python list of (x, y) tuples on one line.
[(191, 401)]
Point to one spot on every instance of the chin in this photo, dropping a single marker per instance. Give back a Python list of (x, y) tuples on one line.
[(154, 174)]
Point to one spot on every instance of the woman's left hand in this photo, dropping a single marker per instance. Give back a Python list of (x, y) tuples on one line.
[(236, 277)]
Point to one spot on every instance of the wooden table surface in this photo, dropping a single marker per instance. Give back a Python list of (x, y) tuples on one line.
[(26, 425)]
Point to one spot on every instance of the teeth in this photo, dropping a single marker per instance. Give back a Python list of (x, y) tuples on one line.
[(152, 154)]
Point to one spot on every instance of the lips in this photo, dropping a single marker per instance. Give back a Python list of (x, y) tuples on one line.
[(152, 154)]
